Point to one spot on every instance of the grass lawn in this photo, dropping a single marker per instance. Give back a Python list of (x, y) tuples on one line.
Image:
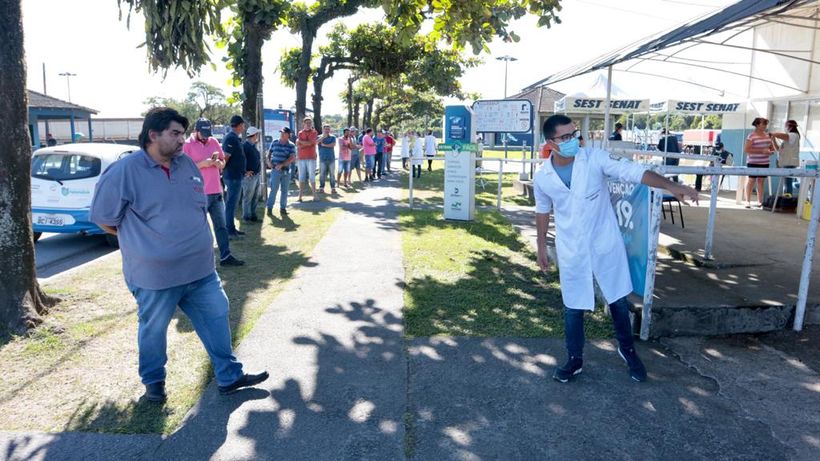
[(478, 279), (429, 189), (78, 371)]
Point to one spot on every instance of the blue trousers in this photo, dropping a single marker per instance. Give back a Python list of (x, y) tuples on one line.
[(234, 187), (574, 327), (279, 181), (205, 303), (216, 209)]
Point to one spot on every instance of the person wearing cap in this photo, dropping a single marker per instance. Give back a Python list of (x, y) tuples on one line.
[(281, 154), (206, 152), (306, 142), (234, 172), (250, 183)]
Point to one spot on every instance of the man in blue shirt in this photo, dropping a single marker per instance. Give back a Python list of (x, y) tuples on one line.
[(327, 159), (234, 172), (380, 141), (250, 183), (154, 201), (281, 154)]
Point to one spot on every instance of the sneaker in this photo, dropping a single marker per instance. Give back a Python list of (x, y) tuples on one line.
[(239, 232), (246, 380), (231, 261), (155, 392), (333, 191), (283, 212), (566, 371), (636, 369), (269, 211)]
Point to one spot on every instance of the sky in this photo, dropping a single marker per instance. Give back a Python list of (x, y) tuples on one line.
[(86, 38)]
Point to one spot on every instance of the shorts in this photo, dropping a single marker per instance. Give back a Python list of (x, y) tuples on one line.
[(370, 161), (355, 161), (307, 166), (757, 165), (344, 166)]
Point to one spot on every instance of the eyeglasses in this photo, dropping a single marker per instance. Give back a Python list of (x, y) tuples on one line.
[(567, 137)]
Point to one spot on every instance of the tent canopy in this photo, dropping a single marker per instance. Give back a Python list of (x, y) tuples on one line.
[(593, 100), (687, 53)]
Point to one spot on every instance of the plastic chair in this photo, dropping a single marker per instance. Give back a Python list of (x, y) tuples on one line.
[(670, 200)]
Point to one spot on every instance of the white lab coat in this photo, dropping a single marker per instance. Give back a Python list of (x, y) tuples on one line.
[(430, 145), (405, 146), (418, 151), (588, 240)]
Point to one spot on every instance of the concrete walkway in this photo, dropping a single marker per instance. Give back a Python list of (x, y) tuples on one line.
[(347, 385)]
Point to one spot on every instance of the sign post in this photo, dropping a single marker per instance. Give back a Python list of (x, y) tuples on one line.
[(459, 181)]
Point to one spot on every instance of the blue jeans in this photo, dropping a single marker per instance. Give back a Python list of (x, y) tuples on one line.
[(205, 303), (574, 327), (234, 187), (325, 167), (216, 209), (379, 169), (279, 182), (789, 182)]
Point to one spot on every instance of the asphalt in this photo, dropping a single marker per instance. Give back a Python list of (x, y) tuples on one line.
[(347, 385)]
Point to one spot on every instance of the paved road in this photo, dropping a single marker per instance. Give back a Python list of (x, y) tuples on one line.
[(57, 253)]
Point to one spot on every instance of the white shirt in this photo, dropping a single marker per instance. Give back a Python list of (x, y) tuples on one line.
[(430, 145), (588, 240), (790, 151), (405, 147)]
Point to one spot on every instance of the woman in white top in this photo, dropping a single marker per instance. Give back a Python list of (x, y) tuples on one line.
[(405, 148), (430, 149), (418, 154), (789, 150)]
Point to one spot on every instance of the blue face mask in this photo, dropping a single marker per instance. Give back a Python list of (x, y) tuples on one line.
[(569, 148)]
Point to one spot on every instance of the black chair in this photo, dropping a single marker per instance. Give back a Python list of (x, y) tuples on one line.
[(670, 200)]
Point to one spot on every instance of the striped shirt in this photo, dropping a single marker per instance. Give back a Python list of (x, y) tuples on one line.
[(759, 142), (279, 152)]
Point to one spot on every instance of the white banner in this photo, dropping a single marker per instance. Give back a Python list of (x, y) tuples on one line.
[(503, 116), (698, 107), (585, 105)]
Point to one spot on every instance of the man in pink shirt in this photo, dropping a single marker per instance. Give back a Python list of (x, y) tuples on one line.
[(207, 153), (369, 147)]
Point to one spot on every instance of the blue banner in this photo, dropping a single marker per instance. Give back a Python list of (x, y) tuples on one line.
[(631, 204)]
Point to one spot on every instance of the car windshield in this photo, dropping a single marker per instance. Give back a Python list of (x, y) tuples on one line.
[(64, 166)]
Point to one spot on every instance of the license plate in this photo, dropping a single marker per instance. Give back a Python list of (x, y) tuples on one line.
[(57, 220)]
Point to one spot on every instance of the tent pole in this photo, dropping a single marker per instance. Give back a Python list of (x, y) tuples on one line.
[(607, 126)]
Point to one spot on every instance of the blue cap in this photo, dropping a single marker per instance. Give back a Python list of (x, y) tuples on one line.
[(203, 125)]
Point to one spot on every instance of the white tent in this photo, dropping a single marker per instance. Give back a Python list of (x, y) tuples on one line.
[(593, 101), (698, 107)]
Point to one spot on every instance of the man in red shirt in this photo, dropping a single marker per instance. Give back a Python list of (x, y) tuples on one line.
[(389, 142), (306, 143), (206, 152)]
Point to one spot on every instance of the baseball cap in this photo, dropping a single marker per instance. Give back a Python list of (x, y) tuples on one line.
[(203, 125), (285, 130), (236, 120), (252, 131)]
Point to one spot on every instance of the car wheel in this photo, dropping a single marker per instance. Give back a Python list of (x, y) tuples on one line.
[(37, 236), (112, 241)]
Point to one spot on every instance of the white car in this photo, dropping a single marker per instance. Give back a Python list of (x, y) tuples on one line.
[(63, 180)]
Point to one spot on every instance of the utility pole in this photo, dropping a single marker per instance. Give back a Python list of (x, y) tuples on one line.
[(506, 58), (68, 76)]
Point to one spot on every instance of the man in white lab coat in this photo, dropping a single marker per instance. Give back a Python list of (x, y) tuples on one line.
[(572, 185)]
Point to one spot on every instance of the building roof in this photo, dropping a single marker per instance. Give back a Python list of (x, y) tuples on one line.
[(542, 98), (41, 101)]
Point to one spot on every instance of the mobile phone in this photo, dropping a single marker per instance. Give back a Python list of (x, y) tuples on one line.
[(214, 156)]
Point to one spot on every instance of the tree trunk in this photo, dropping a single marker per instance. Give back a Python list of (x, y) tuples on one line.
[(304, 75), (318, 82), (22, 303), (356, 109), (377, 119), (252, 82), (368, 114), (350, 102)]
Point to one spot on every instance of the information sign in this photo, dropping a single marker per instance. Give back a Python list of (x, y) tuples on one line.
[(503, 116), (459, 182)]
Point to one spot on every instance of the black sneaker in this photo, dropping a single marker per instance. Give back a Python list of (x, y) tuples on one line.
[(231, 261), (269, 211), (636, 369), (155, 392), (566, 371), (238, 232), (283, 212), (246, 380)]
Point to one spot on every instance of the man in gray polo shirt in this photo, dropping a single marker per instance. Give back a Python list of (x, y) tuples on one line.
[(154, 201)]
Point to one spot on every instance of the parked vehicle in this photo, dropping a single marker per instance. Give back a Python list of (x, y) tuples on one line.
[(63, 180)]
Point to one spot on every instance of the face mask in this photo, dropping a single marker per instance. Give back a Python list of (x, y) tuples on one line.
[(569, 148)]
